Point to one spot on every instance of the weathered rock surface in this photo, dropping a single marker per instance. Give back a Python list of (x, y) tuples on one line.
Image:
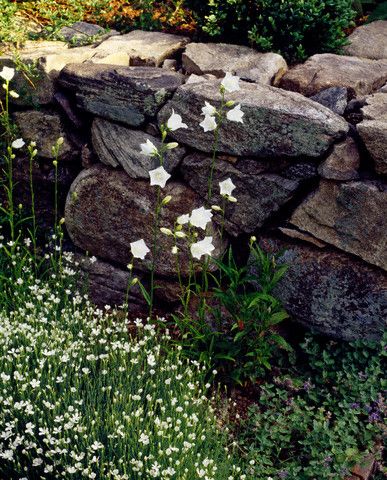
[(44, 128), (360, 76), (109, 210), (117, 145), (374, 136), (350, 216), (369, 41), (384, 89), (81, 32), (141, 48), (375, 107), (306, 237), (219, 58), (331, 292), (343, 163), (259, 195), (334, 98), (124, 94), (275, 122)]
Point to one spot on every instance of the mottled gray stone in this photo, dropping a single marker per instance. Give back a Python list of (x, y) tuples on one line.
[(360, 76), (117, 145), (351, 216), (334, 98), (343, 163), (375, 107), (331, 292), (374, 135), (369, 41), (275, 123), (125, 94), (80, 32), (260, 195), (219, 58)]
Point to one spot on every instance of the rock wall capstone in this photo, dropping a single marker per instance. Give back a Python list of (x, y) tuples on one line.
[(309, 162)]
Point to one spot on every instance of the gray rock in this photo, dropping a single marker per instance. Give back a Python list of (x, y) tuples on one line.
[(374, 135), (350, 216), (275, 123), (116, 145), (259, 195), (334, 98), (375, 107), (331, 292), (343, 163), (219, 58), (369, 41), (305, 237), (125, 94), (139, 48), (384, 89), (170, 64), (80, 32), (360, 76), (44, 128), (106, 210)]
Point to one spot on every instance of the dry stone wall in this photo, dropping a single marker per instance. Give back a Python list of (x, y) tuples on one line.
[(309, 161)]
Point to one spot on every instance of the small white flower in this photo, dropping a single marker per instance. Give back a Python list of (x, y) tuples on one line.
[(175, 121), (226, 187), (230, 83), (208, 109), (208, 124), (139, 249), (183, 219), (174, 250), (203, 247), (144, 439), (159, 176), (200, 217), (7, 74), (236, 114), (148, 148), (18, 143)]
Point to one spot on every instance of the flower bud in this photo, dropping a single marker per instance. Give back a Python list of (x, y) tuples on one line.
[(55, 163), (60, 141), (172, 145), (14, 94), (166, 231), (230, 103), (180, 234), (166, 200), (61, 221), (130, 266), (232, 199), (174, 250), (216, 208), (134, 281)]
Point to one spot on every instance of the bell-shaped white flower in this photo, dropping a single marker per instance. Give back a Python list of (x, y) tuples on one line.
[(18, 143), (159, 177), (148, 148), (175, 121), (208, 109), (235, 115), (230, 83), (7, 74), (183, 219), (203, 247), (200, 217), (208, 124), (226, 187), (139, 249)]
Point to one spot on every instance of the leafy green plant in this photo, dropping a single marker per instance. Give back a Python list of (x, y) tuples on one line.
[(322, 417), (297, 29)]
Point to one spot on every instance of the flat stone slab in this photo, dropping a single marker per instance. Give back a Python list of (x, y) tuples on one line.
[(117, 145), (81, 32), (351, 216), (374, 135), (219, 58), (360, 76), (44, 128), (275, 123), (125, 94), (110, 210), (259, 194), (369, 41), (331, 292), (141, 48)]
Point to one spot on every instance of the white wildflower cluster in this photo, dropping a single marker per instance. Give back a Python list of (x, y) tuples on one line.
[(81, 399)]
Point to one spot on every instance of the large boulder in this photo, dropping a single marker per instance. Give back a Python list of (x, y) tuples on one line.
[(360, 76), (219, 58), (139, 48), (369, 41), (117, 145), (125, 94), (350, 216), (44, 128), (275, 123), (106, 210), (331, 292), (259, 194)]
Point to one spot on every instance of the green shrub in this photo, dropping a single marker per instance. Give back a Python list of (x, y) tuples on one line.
[(295, 28)]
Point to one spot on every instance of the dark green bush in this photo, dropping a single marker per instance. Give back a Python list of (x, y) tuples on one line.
[(295, 28)]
